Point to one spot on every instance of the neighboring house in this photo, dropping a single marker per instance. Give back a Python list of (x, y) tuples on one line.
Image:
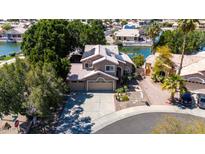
[(15, 34), (193, 69), (131, 37), (101, 67), (2, 34), (201, 25)]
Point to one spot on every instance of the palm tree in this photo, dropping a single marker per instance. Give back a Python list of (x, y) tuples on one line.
[(186, 25), (172, 84), (153, 31), (163, 63)]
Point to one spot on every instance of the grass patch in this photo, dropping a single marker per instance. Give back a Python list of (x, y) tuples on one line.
[(8, 57)]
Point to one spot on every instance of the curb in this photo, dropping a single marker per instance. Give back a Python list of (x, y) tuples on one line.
[(125, 113)]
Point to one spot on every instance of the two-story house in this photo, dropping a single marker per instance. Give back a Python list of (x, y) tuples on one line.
[(100, 68)]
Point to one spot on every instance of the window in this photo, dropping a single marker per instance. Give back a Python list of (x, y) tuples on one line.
[(125, 38), (127, 70), (110, 68), (86, 65)]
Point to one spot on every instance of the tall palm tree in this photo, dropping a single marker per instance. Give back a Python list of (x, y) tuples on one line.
[(172, 84), (153, 31), (186, 25)]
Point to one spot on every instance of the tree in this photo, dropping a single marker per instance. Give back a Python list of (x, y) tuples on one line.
[(123, 22), (173, 83), (6, 26), (186, 25), (45, 90), (163, 64), (92, 33), (138, 60), (172, 125), (51, 41), (30, 90), (12, 87), (174, 40), (153, 31)]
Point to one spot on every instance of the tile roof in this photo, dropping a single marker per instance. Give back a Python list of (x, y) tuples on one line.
[(128, 33), (108, 52), (78, 73), (192, 63), (94, 72)]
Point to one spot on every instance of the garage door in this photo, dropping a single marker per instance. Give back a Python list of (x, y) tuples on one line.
[(100, 85)]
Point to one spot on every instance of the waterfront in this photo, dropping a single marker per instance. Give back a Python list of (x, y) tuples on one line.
[(134, 51), (8, 48)]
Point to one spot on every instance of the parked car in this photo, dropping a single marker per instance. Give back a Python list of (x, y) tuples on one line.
[(187, 100), (201, 101)]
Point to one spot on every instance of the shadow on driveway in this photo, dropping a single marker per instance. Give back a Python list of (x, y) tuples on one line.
[(77, 98)]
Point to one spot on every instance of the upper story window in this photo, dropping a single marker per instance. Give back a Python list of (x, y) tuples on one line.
[(109, 68), (88, 64)]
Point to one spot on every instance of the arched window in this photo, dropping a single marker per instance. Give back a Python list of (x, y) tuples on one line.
[(100, 79)]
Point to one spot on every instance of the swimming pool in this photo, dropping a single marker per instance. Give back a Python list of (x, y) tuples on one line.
[(8, 48), (134, 51)]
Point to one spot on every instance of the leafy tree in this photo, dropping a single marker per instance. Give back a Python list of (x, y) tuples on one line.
[(12, 87), (45, 90), (174, 39), (138, 60), (186, 25), (6, 26), (172, 84), (124, 22), (92, 33), (172, 125), (153, 31), (163, 63), (50, 41), (30, 90)]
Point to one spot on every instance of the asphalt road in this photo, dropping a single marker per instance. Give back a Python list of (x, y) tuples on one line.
[(141, 124)]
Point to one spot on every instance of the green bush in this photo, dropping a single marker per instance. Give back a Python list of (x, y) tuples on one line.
[(125, 98), (12, 54), (2, 57)]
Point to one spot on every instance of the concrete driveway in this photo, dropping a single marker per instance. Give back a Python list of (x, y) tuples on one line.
[(95, 104)]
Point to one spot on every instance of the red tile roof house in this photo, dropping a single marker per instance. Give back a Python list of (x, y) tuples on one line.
[(100, 68)]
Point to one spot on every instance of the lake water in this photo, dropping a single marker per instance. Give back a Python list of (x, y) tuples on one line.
[(134, 51), (8, 48)]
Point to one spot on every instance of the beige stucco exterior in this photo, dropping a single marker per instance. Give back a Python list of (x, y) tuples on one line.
[(92, 74)]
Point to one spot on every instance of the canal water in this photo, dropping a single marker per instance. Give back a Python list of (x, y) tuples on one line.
[(134, 51), (8, 48)]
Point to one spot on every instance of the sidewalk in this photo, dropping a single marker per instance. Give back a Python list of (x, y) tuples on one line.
[(122, 114)]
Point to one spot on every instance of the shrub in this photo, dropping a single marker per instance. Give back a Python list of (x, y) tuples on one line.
[(125, 98), (12, 54)]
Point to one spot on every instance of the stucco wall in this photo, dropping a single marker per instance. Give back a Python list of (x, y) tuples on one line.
[(101, 66)]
